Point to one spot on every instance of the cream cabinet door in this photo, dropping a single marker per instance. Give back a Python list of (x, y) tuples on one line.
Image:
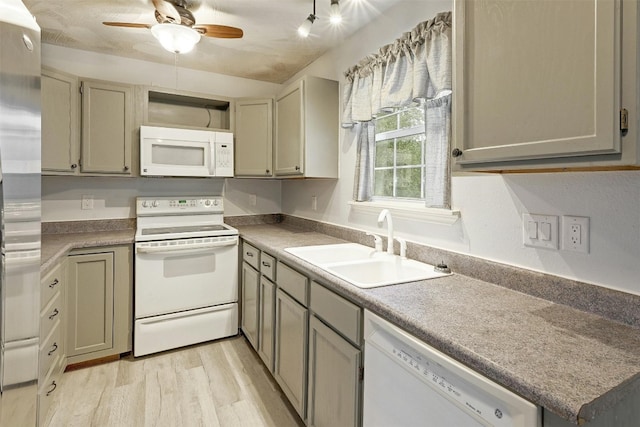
[(254, 137), (250, 283), (60, 124), (90, 286), (291, 350), (107, 125), (289, 154), (334, 378), (535, 79), (266, 331)]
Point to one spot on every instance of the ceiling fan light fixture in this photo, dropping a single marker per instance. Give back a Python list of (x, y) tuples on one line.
[(305, 28), (335, 17), (175, 37)]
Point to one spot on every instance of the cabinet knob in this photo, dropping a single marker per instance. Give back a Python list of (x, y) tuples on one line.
[(268, 171), (456, 152), (126, 168), (297, 168), (54, 314), (52, 284), (266, 264), (73, 166)]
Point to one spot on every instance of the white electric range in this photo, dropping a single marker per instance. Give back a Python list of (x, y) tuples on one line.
[(186, 273)]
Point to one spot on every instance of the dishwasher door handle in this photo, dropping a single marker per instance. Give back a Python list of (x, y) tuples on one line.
[(191, 248)]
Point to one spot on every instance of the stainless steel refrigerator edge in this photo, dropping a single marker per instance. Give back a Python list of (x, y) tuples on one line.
[(20, 214)]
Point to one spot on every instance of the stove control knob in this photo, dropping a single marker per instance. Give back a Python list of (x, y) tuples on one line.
[(155, 203), (207, 202), (215, 202), (145, 204)]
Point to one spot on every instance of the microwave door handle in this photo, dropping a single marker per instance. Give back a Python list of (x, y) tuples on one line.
[(212, 159)]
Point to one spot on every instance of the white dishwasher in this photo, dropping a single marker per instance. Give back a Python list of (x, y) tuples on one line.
[(408, 383)]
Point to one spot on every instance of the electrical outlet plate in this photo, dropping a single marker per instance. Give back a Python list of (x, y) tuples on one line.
[(540, 231), (314, 203), (87, 201), (575, 233)]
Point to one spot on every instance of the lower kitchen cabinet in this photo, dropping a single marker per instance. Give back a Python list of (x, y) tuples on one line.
[(266, 331), (334, 378), (250, 289), (99, 303), (290, 369)]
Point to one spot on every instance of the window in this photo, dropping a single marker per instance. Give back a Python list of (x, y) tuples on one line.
[(400, 139)]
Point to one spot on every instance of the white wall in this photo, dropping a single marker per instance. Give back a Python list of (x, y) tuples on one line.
[(115, 197), (491, 205)]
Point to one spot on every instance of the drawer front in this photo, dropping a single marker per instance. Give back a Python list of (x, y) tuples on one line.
[(268, 266), (47, 392), (51, 284), (293, 283), (50, 351), (343, 315), (251, 255), (50, 315)]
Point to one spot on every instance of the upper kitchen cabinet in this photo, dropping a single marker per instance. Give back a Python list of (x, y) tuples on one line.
[(543, 84), (107, 128), (306, 143), (254, 137), (60, 122), (173, 108)]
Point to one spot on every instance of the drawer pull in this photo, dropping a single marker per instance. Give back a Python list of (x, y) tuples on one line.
[(53, 349), (52, 284), (55, 386), (249, 254), (54, 314), (266, 264)]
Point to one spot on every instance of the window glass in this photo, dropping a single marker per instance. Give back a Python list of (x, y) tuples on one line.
[(399, 155)]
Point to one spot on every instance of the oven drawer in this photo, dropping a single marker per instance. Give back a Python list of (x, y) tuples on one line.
[(251, 255), (160, 333)]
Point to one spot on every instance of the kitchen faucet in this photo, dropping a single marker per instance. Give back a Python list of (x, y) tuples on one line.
[(386, 214)]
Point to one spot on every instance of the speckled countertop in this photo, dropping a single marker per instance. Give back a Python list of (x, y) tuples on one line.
[(56, 246), (573, 363)]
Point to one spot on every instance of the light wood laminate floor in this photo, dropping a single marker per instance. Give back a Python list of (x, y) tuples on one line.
[(222, 383)]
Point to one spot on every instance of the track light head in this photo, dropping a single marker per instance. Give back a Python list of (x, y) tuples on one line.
[(305, 28), (335, 17)]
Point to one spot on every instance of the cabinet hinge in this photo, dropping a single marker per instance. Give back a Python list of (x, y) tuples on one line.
[(624, 120), (361, 373)]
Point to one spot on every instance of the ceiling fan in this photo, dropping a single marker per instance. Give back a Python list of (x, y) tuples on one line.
[(176, 29)]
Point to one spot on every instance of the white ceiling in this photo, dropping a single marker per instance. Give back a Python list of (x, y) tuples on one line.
[(270, 50)]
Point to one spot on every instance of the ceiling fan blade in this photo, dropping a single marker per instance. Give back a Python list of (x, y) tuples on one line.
[(127, 24), (219, 31), (167, 10)]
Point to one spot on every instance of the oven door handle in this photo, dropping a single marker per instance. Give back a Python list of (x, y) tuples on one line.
[(185, 248)]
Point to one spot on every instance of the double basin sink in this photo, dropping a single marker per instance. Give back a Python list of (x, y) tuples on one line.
[(364, 267)]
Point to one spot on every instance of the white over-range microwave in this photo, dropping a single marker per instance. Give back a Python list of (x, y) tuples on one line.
[(185, 152)]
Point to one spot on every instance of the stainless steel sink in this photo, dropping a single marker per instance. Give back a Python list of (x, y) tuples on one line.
[(363, 266)]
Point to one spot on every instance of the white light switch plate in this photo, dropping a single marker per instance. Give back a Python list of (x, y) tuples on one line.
[(546, 227)]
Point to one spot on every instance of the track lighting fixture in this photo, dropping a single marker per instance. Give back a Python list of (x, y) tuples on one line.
[(305, 28), (335, 17)]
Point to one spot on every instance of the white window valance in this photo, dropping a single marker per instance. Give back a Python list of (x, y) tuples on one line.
[(416, 66)]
